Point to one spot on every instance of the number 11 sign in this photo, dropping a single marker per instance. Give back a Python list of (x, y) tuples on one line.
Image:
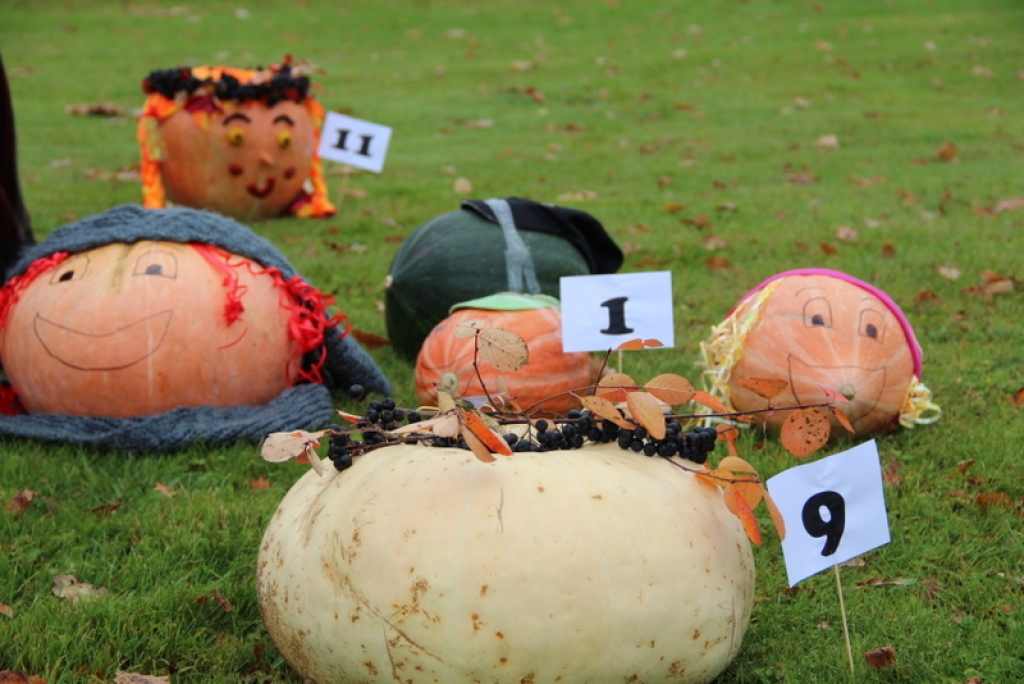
[(355, 142)]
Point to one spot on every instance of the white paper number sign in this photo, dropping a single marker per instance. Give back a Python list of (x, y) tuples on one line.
[(600, 312), (834, 510), (354, 142)]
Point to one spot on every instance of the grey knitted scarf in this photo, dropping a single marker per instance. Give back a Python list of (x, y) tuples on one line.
[(301, 407)]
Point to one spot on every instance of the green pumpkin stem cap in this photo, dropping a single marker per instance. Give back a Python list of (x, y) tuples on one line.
[(509, 301)]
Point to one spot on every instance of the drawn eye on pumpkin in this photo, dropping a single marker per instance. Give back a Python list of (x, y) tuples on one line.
[(818, 313), (236, 136), (284, 139), (72, 269), (872, 324), (158, 263)]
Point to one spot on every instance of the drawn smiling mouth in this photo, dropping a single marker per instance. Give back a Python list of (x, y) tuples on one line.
[(257, 191), (115, 350), (862, 386)]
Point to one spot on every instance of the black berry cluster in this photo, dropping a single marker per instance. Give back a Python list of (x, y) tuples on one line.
[(379, 417), (582, 426), (694, 445), (571, 432)]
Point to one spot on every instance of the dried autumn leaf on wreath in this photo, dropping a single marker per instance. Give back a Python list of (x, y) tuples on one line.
[(775, 514), (606, 410), (805, 431), (610, 386), (745, 479), (467, 329), (476, 427), (639, 343), (766, 388), (671, 388), (503, 349), (279, 447), (738, 506), (646, 410), (708, 401), (842, 419)]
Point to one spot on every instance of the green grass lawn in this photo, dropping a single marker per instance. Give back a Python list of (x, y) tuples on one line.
[(718, 106)]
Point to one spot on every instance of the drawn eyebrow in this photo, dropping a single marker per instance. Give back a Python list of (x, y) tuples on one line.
[(810, 287), (237, 115), (285, 118)]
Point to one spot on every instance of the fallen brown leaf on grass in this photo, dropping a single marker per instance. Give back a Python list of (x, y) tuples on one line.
[(21, 501), (462, 186), (949, 272), (828, 142), (132, 678), (927, 295), (847, 234), (6, 610), (947, 152), (215, 595), (123, 173), (994, 284), (1018, 398), (259, 483), (801, 178), (871, 180), (718, 264), (881, 657), (713, 242), (68, 587), (167, 492), (987, 500), (12, 677), (100, 109)]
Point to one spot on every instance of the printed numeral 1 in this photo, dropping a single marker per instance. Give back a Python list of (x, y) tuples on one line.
[(616, 316)]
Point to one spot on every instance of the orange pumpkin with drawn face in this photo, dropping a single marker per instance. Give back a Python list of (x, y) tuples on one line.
[(138, 329), (240, 142), (249, 162), (820, 330)]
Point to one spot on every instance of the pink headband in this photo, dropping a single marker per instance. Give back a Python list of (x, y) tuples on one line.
[(908, 331)]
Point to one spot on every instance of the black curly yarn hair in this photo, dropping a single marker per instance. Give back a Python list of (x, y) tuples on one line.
[(282, 85)]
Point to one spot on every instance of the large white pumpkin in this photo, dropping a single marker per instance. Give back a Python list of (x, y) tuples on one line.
[(425, 565)]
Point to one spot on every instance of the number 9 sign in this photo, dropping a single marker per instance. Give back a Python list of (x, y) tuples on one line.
[(834, 510)]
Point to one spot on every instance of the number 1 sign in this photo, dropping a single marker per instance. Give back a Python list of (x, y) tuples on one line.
[(600, 312), (834, 510)]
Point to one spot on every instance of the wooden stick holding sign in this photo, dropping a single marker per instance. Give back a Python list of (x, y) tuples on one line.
[(834, 510), (601, 312)]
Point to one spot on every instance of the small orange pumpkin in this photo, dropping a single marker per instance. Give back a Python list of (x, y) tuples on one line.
[(239, 142), (821, 330), (138, 329), (446, 362)]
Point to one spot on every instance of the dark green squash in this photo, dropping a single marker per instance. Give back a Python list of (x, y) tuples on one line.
[(459, 256)]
